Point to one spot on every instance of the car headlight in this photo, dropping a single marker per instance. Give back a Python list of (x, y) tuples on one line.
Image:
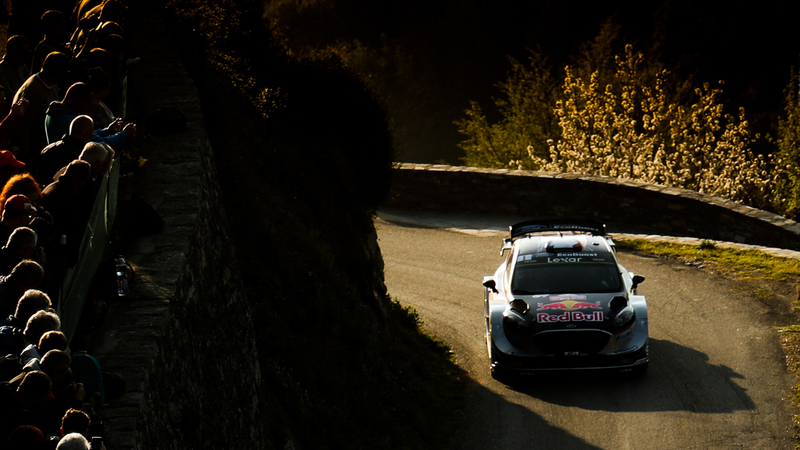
[(623, 317)]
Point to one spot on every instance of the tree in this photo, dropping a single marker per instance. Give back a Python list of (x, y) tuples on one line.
[(520, 138), (620, 114), (787, 191)]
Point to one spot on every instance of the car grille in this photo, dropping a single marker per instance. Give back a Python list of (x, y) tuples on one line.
[(571, 341)]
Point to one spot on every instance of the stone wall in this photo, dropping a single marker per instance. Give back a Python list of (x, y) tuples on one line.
[(183, 339), (625, 206)]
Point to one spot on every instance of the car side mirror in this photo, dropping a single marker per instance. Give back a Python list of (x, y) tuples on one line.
[(490, 284), (637, 280)]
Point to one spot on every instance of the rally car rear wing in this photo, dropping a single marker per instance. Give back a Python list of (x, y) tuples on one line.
[(557, 225)]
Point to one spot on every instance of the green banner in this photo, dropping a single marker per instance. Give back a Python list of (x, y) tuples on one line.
[(94, 250)]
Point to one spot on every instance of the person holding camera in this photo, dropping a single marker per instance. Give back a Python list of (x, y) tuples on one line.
[(22, 244), (17, 212)]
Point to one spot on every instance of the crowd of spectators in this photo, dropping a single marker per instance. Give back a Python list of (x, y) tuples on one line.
[(61, 99)]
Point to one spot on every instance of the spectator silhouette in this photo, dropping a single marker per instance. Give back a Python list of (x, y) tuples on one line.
[(114, 45), (60, 113), (86, 31), (24, 20), (26, 437), (61, 199), (21, 245), (40, 89), (16, 213), (77, 101), (65, 150), (32, 391), (66, 393), (75, 421), (100, 157), (100, 83), (22, 184), (53, 340), (38, 324), (12, 120), (81, 8), (56, 34), (26, 275), (12, 339), (73, 441), (50, 340), (14, 66)]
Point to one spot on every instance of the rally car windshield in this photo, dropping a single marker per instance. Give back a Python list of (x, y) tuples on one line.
[(564, 278)]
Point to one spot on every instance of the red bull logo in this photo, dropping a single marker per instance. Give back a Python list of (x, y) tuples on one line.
[(566, 309), (570, 316)]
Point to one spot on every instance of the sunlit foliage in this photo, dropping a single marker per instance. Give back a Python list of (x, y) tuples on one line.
[(227, 27), (521, 136), (632, 122), (788, 157), (633, 131)]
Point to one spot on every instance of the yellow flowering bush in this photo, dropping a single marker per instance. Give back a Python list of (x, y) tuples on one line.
[(787, 160), (632, 131), (628, 126)]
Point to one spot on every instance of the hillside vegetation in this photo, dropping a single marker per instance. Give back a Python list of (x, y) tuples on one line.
[(304, 158), (676, 92)]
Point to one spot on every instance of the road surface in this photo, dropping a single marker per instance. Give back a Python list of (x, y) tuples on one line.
[(717, 378)]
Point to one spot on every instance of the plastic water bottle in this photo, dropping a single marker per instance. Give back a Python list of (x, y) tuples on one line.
[(122, 276)]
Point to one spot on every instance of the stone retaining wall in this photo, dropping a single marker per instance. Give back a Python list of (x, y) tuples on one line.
[(625, 206), (183, 339)]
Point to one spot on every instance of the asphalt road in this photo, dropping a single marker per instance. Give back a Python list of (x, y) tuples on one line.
[(717, 378)]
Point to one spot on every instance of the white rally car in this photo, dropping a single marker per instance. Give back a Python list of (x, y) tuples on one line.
[(560, 300)]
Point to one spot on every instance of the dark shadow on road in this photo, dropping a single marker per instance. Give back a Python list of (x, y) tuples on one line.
[(492, 422), (679, 379)]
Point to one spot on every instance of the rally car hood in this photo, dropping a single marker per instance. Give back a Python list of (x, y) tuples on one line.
[(568, 310)]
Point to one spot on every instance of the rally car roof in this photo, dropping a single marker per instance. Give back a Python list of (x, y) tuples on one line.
[(562, 245)]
